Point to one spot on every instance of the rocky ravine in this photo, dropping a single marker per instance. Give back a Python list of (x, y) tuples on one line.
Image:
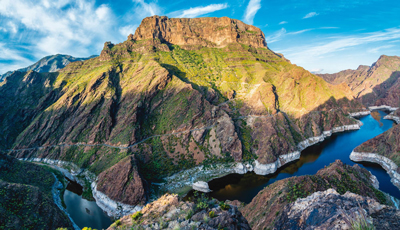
[(174, 97)]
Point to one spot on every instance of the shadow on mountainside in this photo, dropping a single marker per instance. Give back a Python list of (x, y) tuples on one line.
[(386, 93)]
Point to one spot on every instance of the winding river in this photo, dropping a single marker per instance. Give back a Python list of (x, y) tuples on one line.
[(339, 146)]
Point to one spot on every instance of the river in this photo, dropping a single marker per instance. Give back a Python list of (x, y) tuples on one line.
[(339, 146), (84, 213)]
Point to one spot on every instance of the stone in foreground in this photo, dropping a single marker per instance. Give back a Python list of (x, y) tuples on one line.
[(201, 186)]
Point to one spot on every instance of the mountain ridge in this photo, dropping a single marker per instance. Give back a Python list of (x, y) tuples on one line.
[(51, 63)]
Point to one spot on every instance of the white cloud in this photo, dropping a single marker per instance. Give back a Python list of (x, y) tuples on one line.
[(12, 54), (310, 15), (280, 34), (328, 27), (251, 10), (198, 11), (277, 36), (352, 50), (126, 30), (283, 22), (299, 32), (316, 71), (144, 9), (61, 30), (379, 48)]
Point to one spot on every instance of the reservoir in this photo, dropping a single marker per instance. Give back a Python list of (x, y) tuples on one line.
[(84, 213), (339, 146)]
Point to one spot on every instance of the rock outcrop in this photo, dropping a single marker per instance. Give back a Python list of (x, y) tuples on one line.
[(269, 204), (208, 32), (123, 182), (330, 210)]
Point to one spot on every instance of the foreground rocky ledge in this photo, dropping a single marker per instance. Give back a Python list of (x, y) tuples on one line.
[(337, 212), (386, 163)]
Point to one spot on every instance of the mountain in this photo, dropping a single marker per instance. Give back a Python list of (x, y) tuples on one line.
[(51, 63), (26, 200), (173, 96), (373, 85)]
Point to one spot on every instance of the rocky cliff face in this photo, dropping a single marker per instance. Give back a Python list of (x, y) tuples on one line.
[(26, 200), (123, 182), (273, 203), (375, 85), (205, 32), (48, 64), (174, 97)]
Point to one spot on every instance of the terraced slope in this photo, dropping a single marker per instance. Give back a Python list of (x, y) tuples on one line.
[(173, 97)]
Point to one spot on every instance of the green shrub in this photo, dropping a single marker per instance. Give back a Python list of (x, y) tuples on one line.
[(211, 214), (136, 216), (224, 206)]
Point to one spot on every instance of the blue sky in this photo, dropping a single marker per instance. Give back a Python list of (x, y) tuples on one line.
[(321, 36)]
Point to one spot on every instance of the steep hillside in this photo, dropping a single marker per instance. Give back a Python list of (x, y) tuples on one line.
[(271, 207), (375, 85), (48, 64), (26, 200), (174, 96)]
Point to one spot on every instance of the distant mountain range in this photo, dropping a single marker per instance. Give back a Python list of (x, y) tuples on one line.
[(50, 63), (373, 85)]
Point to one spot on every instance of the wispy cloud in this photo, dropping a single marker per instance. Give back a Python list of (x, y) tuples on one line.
[(280, 34), (315, 71), (198, 11), (328, 27), (251, 10), (283, 22), (299, 32), (310, 15), (277, 36), (144, 9), (379, 48), (306, 54)]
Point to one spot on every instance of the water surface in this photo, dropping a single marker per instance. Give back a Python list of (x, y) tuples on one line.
[(84, 213), (338, 146)]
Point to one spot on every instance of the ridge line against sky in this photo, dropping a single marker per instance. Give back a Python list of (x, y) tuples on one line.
[(320, 36)]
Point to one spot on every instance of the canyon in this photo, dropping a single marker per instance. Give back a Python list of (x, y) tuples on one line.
[(189, 100)]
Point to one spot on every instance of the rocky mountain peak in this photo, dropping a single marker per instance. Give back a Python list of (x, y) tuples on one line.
[(209, 32)]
